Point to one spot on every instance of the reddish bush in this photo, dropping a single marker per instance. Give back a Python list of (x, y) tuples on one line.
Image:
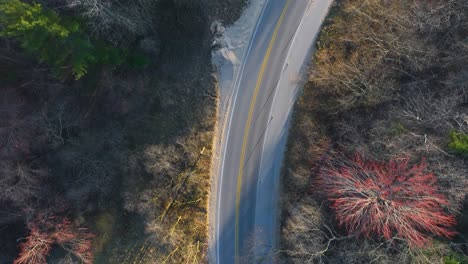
[(45, 231), (35, 249), (78, 242), (390, 200)]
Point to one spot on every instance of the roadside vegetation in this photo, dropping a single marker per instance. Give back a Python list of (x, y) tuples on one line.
[(107, 113), (377, 168)]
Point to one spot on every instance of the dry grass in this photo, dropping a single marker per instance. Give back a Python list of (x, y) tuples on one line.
[(166, 176), (128, 150), (384, 98)]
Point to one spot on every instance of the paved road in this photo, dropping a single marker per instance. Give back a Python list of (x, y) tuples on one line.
[(245, 208)]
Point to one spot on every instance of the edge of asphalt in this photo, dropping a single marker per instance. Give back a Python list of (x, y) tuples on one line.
[(300, 50), (227, 95), (224, 104)]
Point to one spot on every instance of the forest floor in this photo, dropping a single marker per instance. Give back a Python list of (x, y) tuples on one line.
[(384, 105), (132, 154), (161, 221)]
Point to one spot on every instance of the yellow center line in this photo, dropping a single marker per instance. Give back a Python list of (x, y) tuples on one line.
[(249, 121)]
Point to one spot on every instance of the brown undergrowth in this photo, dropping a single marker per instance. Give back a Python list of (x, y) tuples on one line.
[(387, 81), (127, 150)]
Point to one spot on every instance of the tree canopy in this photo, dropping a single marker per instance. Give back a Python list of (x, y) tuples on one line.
[(59, 42)]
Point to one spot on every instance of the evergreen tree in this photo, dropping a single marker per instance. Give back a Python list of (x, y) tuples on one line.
[(60, 42)]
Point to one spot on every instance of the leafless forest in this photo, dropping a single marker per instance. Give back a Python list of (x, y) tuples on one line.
[(113, 167), (377, 168)]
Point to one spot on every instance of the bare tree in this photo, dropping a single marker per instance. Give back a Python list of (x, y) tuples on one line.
[(19, 182), (17, 127), (388, 80), (425, 108), (364, 60), (114, 20), (45, 231), (304, 233)]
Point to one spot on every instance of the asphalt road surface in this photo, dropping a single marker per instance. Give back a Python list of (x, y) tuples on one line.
[(246, 198)]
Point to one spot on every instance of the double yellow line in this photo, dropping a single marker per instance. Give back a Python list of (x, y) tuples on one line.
[(249, 122)]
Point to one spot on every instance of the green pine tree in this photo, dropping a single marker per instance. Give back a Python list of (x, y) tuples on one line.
[(59, 42)]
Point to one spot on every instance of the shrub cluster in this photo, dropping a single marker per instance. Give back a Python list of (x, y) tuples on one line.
[(459, 142), (388, 80), (386, 200), (45, 231)]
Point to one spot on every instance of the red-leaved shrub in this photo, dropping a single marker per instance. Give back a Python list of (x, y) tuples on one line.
[(45, 231), (389, 200), (36, 248)]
